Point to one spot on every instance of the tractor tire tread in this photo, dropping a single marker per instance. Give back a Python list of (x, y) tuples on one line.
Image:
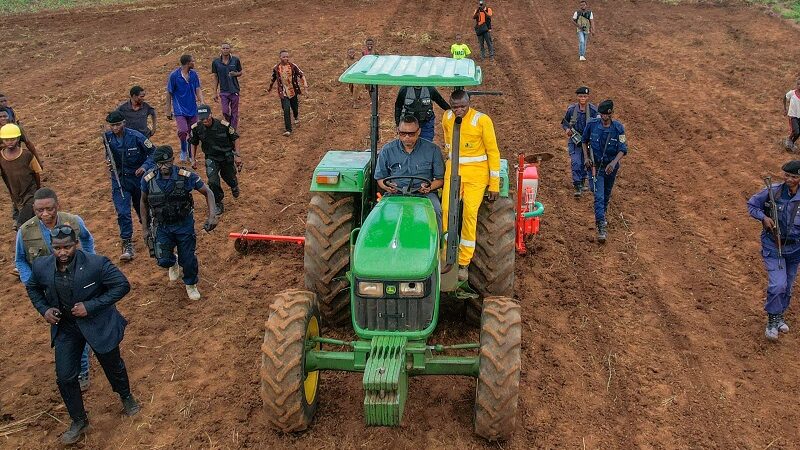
[(497, 393), (491, 271), (327, 253), (282, 352)]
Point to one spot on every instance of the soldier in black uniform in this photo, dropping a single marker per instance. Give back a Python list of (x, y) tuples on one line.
[(418, 102), (221, 148), (167, 200)]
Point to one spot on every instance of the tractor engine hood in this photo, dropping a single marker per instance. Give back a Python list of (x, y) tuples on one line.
[(398, 241)]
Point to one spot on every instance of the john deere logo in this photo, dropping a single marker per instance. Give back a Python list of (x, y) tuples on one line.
[(391, 290)]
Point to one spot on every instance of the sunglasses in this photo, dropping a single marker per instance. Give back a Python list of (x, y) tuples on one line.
[(408, 133), (163, 163), (62, 231)]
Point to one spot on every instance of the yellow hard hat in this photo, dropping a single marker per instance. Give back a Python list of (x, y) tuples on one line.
[(10, 131)]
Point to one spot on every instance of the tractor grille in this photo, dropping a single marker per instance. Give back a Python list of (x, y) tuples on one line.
[(394, 314)]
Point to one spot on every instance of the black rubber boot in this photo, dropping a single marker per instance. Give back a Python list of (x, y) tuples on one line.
[(75, 431), (602, 232)]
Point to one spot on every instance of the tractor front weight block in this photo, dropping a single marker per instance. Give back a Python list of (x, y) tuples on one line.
[(387, 362)]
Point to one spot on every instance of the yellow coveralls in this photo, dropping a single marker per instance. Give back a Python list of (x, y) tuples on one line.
[(479, 167)]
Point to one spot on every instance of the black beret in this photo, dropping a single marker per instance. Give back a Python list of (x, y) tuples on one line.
[(792, 167), (582, 90), (606, 107), (115, 117), (162, 153)]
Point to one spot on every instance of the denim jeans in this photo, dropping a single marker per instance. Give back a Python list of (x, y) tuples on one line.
[(85, 362), (583, 39)]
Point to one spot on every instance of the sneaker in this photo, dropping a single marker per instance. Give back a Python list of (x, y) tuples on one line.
[(175, 272), (585, 185), (192, 292), (131, 406), (771, 332), (789, 145), (602, 232), (287, 133), (463, 273), (15, 271), (76, 430), (582, 58), (296, 121), (127, 250), (783, 327), (235, 192), (83, 381), (578, 191), (220, 208)]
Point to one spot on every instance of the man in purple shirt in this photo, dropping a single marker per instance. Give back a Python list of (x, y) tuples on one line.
[(183, 95)]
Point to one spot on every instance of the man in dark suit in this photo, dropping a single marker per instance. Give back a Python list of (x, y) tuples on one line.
[(75, 292)]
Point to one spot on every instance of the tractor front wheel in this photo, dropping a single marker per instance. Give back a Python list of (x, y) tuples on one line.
[(327, 253), (289, 393), (497, 392), (491, 271)]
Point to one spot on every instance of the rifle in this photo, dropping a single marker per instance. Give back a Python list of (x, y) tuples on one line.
[(150, 239), (773, 212), (594, 168), (110, 159), (576, 137)]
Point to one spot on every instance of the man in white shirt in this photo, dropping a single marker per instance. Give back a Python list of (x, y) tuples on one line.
[(791, 107), (584, 20)]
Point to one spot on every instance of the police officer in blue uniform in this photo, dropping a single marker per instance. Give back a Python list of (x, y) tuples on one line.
[(167, 201), (781, 261), (133, 157), (605, 139), (574, 123)]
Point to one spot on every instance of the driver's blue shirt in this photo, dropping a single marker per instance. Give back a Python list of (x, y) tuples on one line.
[(424, 161)]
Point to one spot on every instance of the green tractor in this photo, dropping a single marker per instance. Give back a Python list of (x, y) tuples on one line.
[(384, 266)]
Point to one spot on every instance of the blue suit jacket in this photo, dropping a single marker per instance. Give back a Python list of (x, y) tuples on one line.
[(97, 283)]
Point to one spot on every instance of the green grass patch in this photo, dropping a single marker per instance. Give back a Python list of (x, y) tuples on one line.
[(788, 9), (21, 6)]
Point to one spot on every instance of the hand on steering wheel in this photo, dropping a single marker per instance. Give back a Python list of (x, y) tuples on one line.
[(409, 189)]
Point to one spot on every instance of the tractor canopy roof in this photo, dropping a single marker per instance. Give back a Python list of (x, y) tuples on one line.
[(395, 70)]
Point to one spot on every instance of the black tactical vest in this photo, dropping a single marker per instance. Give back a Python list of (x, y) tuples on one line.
[(420, 107), (172, 207)]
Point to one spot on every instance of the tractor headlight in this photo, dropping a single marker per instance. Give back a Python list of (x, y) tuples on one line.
[(370, 289), (412, 289)]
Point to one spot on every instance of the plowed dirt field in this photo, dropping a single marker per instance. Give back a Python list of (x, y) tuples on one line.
[(654, 340)]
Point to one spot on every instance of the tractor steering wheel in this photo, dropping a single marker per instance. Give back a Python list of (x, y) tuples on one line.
[(408, 189)]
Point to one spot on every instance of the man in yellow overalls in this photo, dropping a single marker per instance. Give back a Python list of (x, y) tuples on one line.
[(479, 167)]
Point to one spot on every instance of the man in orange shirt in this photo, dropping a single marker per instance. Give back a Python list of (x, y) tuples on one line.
[(483, 28), (288, 76)]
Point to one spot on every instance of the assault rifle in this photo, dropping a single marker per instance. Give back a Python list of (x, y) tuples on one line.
[(773, 212), (150, 239), (576, 137), (110, 159)]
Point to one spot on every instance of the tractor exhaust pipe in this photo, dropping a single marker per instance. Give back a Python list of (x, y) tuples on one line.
[(453, 212)]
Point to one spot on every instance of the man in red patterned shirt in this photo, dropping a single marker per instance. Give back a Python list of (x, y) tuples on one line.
[(288, 76)]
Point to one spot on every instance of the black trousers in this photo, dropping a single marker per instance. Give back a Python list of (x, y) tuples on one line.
[(69, 345), (795, 123), (217, 169), (287, 103)]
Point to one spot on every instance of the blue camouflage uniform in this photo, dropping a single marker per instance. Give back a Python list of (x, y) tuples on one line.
[(781, 271), (604, 143), (174, 219), (131, 152), (575, 118)]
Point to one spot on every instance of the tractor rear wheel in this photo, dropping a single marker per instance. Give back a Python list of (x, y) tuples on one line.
[(491, 271), (497, 392), (327, 253), (289, 393)]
